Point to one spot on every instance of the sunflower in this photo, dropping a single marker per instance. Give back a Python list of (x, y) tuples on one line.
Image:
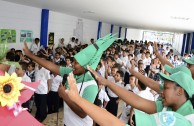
[(10, 87)]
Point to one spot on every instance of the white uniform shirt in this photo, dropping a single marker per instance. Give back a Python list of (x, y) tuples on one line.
[(43, 75), (103, 96), (26, 78), (102, 71), (35, 48), (112, 94), (55, 83)]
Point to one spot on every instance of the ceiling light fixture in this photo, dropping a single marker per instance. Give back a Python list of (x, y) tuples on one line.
[(180, 18), (89, 12)]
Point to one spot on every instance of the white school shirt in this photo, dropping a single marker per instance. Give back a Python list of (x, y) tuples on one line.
[(103, 96), (26, 78), (43, 75), (124, 60), (119, 61), (125, 113), (112, 94), (102, 71), (135, 89), (35, 48), (55, 83), (146, 94)]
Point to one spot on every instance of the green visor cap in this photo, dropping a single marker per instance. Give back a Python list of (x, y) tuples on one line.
[(167, 118), (12, 63), (189, 60), (182, 68), (182, 79), (91, 55)]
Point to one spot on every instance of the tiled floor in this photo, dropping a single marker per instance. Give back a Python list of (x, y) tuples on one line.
[(51, 119)]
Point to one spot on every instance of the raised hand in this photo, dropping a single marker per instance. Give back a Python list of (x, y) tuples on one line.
[(98, 77), (73, 91), (156, 47), (26, 49)]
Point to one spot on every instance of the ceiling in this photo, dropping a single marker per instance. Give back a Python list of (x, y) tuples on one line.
[(163, 15)]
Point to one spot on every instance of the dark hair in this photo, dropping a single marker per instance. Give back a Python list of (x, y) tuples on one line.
[(120, 73), (142, 86), (23, 65), (32, 64), (37, 39), (10, 56)]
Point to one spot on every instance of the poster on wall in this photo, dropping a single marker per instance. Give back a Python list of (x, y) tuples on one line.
[(51, 38), (7, 35), (26, 34), (163, 37)]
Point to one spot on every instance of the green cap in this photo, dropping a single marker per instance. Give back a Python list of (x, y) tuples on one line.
[(182, 68), (167, 118), (182, 79), (189, 60), (91, 55)]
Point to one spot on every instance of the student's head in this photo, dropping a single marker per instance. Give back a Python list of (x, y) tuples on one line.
[(68, 60), (31, 66), (92, 40), (116, 55), (132, 79), (57, 55), (37, 40), (73, 39), (143, 56), (175, 57), (20, 71), (124, 53), (140, 66), (77, 68), (190, 64), (119, 76), (178, 88), (147, 54), (141, 86), (114, 70)]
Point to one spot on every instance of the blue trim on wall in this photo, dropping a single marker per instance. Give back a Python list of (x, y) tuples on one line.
[(183, 45), (111, 28), (119, 32), (99, 30), (187, 43), (44, 27), (125, 32), (192, 44)]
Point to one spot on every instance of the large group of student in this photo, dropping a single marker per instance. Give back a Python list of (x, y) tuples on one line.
[(147, 76)]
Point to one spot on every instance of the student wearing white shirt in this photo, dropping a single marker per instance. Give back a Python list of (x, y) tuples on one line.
[(112, 105), (126, 108), (35, 47), (124, 57), (53, 97), (150, 48), (21, 72), (102, 96), (144, 93), (42, 75)]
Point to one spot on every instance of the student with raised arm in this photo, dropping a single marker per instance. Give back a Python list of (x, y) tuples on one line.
[(160, 57), (73, 114), (104, 118), (155, 85), (177, 94)]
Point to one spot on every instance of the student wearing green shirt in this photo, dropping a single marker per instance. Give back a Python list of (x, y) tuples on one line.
[(104, 118), (177, 95), (73, 114)]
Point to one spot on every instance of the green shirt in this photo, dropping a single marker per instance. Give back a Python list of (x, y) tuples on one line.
[(185, 109), (89, 92)]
